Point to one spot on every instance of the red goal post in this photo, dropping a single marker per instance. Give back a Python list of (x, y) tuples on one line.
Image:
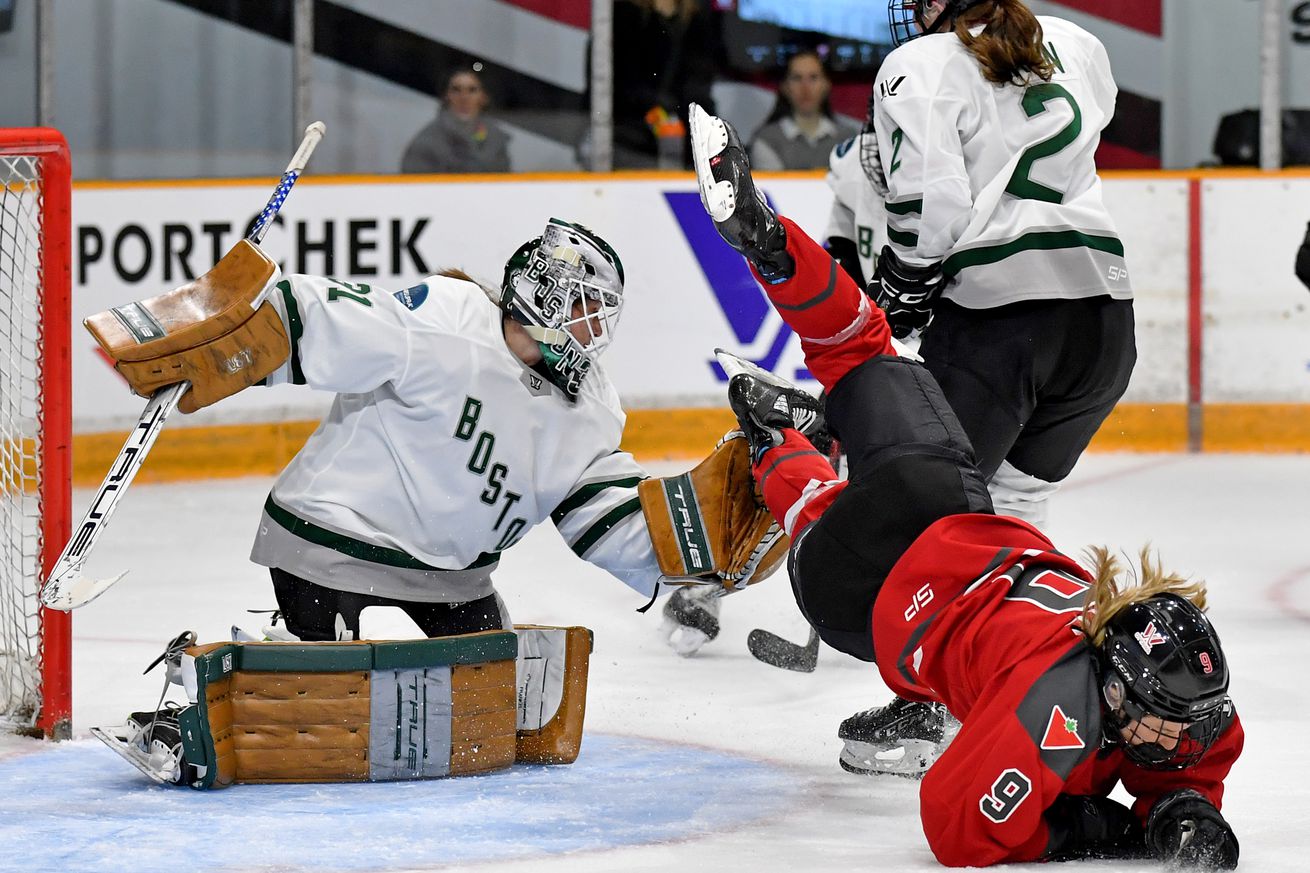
[(35, 426)]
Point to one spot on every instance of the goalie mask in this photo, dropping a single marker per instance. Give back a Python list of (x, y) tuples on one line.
[(566, 288), (911, 19), (1165, 682)]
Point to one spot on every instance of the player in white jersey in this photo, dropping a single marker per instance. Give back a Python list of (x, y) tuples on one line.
[(458, 426), (857, 224), (987, 122)]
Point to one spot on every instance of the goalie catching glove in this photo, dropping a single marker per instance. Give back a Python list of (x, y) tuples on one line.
[(217, 332), (709, 525)]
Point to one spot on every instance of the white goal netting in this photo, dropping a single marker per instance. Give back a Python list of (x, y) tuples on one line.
[(21, 433)]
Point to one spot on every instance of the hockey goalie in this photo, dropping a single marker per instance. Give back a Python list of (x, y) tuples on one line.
[(464, 416)]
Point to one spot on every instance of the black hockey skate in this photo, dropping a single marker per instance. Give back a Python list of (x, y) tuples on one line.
[(765, 404), (729, 195), (902, 738), (152, 742)]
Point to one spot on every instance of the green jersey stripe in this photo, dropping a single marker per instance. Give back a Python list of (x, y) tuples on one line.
[(901, 238), (358, 549), (296, 329), (606, 523), (1036, 241), (584, 495), (905, 207)]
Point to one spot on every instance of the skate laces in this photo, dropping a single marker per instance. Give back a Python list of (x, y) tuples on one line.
[(173, 650), (171, 656)]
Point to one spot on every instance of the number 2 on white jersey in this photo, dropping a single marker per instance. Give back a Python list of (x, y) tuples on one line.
[(1035, 100)]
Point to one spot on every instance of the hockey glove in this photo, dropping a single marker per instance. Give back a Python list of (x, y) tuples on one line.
[(1303, 260), (1184, 828), (691, 617), (906, 293), (1092, 827)]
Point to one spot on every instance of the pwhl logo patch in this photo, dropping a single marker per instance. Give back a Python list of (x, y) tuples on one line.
[(1149, 637), (761, 335)]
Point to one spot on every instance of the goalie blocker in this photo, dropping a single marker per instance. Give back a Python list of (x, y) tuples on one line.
[(275, 712)]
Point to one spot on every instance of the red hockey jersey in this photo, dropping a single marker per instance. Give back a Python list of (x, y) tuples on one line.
[(981, 613)]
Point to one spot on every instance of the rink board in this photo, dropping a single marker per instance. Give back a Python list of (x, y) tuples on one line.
[(1220, 316)]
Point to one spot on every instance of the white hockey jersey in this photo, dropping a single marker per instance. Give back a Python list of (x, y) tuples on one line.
[(857, 208), (999, 182), (441, 449)]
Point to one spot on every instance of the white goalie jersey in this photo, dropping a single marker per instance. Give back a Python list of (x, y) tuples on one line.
[(999, 182), (857, 207), (441, 449)]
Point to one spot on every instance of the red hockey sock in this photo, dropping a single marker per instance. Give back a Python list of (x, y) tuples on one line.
[(839, 326), (797, 482)]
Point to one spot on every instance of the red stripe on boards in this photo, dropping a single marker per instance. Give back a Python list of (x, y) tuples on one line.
[(575, 13), (1143, 15)]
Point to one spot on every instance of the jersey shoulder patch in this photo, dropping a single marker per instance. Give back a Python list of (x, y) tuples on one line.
[(412, 298), (1062, 712)]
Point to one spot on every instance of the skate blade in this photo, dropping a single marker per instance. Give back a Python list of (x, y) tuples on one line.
[(117, 738), (733, 365), (910, 760)]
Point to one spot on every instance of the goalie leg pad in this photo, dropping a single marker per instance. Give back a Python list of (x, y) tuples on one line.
[(552, 692), (350, 711)]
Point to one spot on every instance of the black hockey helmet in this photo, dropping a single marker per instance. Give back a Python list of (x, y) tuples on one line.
[(910, 19), (1161, 657)]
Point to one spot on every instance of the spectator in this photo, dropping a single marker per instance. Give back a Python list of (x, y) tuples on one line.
[(801, 131), (1303, 259), (664, 54), (460, 139)]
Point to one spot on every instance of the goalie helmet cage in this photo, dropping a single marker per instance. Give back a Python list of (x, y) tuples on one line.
[(35, 427)]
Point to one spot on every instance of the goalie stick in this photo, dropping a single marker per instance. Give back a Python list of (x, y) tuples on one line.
[(775, 651), (66, 588)]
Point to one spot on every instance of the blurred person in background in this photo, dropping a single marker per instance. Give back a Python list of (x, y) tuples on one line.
[(459, 139), (664, 59), (1303, 260), (802, 130)]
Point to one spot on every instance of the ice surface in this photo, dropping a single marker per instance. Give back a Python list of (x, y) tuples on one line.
[(744, 754)]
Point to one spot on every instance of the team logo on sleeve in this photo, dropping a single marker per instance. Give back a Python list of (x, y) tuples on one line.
[(412, 298), (889, 87), (1149, 638), (1061, 731)]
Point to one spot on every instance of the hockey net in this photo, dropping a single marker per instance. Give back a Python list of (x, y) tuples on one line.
[(35, 425)]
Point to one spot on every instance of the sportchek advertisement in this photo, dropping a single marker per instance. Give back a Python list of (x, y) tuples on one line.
[(687, 292)]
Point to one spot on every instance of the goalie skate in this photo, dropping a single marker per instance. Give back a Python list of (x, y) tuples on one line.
[(903, 738), (151, 742)]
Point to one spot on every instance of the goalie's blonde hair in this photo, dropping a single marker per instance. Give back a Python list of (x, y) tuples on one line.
[(1111, 590)]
